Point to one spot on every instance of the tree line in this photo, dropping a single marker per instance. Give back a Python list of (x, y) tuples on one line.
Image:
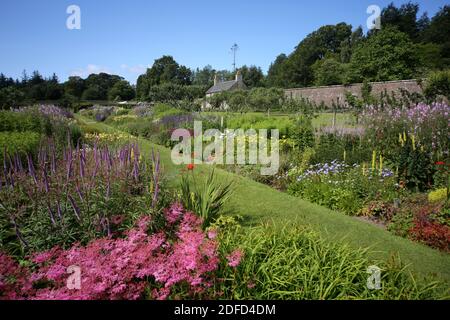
[(37, 88), (407, 46)]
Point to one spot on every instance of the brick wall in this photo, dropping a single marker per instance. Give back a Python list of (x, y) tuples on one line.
[(336, 94)]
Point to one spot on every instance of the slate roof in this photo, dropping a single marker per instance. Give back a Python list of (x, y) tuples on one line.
[(222, 86)]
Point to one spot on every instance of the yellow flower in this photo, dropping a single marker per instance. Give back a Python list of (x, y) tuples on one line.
[(413, 141), (374, 160)]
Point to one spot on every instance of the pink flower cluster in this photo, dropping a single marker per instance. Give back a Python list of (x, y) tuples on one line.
[(14, 280), (122, 268), (234, 259)]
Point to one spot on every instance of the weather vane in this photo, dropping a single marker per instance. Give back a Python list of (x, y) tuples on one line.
[(234, 49)]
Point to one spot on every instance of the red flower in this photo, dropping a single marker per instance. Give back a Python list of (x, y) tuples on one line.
[(190, 166), (440, 163)]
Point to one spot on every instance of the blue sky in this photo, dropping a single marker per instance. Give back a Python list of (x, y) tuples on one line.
[(124, 37)]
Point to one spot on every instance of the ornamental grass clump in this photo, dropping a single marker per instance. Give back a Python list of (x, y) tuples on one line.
[(293, 262)]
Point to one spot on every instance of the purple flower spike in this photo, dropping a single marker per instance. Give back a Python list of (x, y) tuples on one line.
[(76, 210), (81, 167), (59, 210), (108, 188), (11, 166), (19, 234), (80, 194), (5, 167), (52, 216), (46, 184), (53, 159), (31, 170), (69, 169)]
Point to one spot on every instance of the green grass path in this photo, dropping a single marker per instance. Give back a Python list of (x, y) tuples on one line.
[(257, 203)]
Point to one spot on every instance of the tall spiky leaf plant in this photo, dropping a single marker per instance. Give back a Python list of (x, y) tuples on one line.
[(207, 198)]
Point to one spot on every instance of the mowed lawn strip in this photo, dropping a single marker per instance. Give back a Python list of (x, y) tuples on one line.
[(259, 203)]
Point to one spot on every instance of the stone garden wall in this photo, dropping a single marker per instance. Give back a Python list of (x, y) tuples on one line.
[(336, 94)]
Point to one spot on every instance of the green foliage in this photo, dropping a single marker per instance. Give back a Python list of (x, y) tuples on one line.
[(98, 86), (204, 77), (328, 71), (333, 197), (438, 195), (265, 99), (257, 99), (387, 55), (165, 70), (293, 262), (19, 142), (93, 93), (436, 32), (24, 121), (275, 76), (72, 202), (438, 83), (403, 18), (121, 91), (33, 121), (161, 110), (296, 70), (415, 167), (417, 208), (257, 122), (74, 86), (430, 55), (10, 97), (303, 134), (252, 76), (206, 198), (347, 191), (331, 147), (172, 92)]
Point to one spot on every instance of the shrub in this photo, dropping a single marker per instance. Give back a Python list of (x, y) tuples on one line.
[(425, 229), (338, 143), (257, 122), (19, 143), (303, 134), (438, 195), (379, 210), (10, 97), (24, 121), (438, 83), (170, 93), (419, 220), (47, 120)]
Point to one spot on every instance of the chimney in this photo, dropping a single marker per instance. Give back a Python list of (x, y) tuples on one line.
[(216, 79), (239, 76)]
